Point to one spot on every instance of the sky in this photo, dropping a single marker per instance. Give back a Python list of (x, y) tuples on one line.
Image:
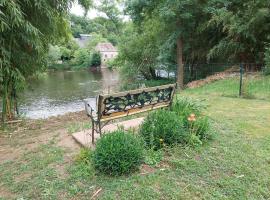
[(78, 10)]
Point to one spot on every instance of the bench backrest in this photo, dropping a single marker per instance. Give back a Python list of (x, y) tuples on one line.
[(113, 106)]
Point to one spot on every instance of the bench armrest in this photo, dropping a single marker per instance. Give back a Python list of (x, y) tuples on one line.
[(89, 110)]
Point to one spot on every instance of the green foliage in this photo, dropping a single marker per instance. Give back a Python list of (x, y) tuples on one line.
[(153, 157), (184, 124), (138, 52), (82, 58), (83, 166), (95, 39), (95, 59), (111, 64), (54, 55), (109, 26), (211, 31), (118, 153), (66, 53), (161, 128), (184, 107), (201, 127), (190, 112), (26, 30)]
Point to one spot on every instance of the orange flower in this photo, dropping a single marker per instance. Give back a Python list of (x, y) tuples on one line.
[(192, 118)]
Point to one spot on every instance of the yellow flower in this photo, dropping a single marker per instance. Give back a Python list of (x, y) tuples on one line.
[(161, 140)]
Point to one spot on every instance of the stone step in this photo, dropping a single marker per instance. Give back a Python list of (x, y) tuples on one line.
[(84, 137)]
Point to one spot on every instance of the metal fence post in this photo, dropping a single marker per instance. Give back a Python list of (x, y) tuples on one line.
[(241, 79)]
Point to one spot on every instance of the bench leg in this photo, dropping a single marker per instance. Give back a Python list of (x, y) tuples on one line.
[(93, 132), (99, 129)]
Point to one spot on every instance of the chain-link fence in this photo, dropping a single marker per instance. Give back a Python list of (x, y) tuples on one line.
[(224, 79), (233, 80)]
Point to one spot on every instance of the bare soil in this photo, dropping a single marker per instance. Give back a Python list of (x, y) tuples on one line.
[(27, 135)]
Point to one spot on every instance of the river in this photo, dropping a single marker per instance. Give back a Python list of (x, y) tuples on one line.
[(60, 92)]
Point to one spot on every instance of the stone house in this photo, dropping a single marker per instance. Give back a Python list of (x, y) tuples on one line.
[(107, 52)]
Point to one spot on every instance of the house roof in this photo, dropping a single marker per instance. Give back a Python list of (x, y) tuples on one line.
[(105, 47), (81, 42)]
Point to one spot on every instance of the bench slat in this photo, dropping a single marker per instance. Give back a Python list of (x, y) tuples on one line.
[(133, 112)]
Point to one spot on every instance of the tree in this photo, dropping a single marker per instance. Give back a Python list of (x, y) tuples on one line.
[(27, 29), (245, 29), (182, 17), (96, 59), (138, 53), (111, 9), (54, 54), (82, 58), (207, 30)]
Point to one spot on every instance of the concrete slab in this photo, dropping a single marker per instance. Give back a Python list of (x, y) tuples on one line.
[(84, 137)]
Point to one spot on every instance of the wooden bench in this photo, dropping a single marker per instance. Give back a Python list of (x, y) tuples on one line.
[(122, 104)]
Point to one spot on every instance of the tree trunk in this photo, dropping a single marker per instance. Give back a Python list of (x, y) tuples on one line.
[(180, 64)]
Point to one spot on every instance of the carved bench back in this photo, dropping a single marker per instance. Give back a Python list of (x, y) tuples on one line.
[(122, 104)]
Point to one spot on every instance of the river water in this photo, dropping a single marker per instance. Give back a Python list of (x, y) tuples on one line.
[(61, 92)]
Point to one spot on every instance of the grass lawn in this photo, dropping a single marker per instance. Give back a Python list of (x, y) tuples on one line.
[(254, 87), (234, 165)]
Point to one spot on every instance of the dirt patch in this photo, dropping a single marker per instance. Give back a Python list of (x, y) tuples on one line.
[(29, 134), (6, 194), (146, 169)]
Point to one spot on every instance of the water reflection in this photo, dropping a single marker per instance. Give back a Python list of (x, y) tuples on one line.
[(61, 92)]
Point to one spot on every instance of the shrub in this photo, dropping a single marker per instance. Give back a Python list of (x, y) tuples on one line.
[(53, 55), (161, 128), (190, 113), (96, 59), (118, 153), (183, 107), (82, 58), (202, 128)]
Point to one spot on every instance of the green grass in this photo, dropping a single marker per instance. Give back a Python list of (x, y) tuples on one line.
[(76, 127), (234, 165), (255, 87)]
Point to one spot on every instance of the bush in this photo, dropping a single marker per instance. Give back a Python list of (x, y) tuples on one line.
[(82, 58), (118, 153), (183, 107), (190, 113), (161, 128), (96, 59), (202, 128), (53, 55)]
